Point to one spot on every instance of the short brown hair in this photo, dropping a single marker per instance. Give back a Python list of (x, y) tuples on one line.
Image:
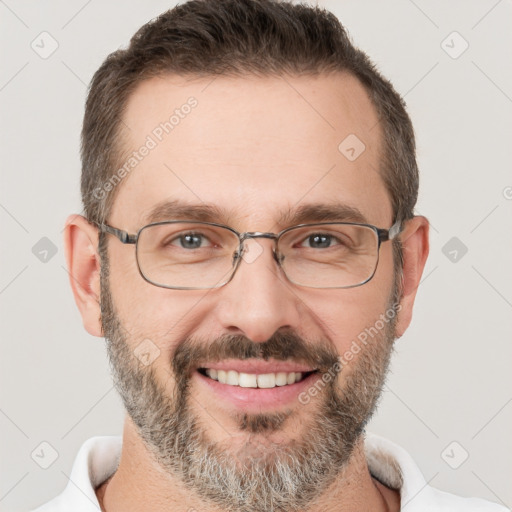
[(236, 37)]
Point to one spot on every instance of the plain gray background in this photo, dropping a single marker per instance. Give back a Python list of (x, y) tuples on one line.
[(449, 396)]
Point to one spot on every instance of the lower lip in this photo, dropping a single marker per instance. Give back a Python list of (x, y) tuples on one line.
[(258, 398)]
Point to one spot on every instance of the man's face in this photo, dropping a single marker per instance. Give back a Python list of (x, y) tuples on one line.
[(258, 150)]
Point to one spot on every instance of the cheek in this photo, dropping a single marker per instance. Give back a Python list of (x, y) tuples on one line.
[(126, 284), (345, 315), (148, 312)]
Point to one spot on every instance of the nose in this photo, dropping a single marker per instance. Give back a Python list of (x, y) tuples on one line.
[(258, 301)]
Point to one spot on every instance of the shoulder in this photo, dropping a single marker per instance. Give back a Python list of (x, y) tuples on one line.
[(395, 468), (96, 461)]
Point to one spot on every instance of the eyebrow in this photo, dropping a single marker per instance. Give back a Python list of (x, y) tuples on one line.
[(308, 213), (178, 210), (322, 212)]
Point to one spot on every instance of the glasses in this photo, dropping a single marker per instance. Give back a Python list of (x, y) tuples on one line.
[(190, 255)]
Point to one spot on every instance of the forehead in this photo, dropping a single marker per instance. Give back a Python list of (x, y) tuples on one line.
[(254, 148)]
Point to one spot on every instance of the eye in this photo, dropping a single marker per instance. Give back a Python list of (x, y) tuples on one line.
[(320, 241), (190, 241)]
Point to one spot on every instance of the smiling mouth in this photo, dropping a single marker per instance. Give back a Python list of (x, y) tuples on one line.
[(253, 380)]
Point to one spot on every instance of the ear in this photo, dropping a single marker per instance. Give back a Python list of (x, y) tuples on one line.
[(415, 248), (83, 263)]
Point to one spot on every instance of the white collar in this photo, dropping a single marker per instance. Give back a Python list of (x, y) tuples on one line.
[(98, 459)]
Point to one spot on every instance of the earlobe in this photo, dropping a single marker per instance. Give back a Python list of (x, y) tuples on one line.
[(83, 263), (415, 248)]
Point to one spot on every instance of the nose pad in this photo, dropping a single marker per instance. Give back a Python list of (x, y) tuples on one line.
[(248, 252), (236, 256), (278, 257), (251, 250)]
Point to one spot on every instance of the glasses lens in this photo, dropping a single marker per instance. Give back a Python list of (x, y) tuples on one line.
[(329, 255), (186, 254)]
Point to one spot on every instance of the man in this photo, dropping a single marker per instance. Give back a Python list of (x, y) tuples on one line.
[(249, 182)]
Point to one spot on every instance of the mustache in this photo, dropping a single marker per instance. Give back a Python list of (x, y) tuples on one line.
[(282, 346)]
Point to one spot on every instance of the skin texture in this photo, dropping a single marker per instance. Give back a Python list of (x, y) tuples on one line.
[(258, 148)]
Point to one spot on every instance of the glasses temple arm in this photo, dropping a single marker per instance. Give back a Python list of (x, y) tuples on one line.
[(123, 236), (391, 233)]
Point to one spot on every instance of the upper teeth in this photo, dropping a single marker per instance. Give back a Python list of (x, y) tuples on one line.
[(251, 380)]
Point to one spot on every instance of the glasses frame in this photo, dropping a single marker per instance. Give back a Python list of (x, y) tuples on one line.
[(383, 235)]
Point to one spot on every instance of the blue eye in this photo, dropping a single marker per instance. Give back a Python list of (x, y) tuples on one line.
[(189, 241), (319, 241)]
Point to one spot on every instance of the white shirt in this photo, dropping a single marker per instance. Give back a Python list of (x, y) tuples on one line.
[(98, 458)]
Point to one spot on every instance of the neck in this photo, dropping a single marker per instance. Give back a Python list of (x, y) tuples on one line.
[(140, 484)]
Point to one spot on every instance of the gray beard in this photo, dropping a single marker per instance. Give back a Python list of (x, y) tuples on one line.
[(259, 476)]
